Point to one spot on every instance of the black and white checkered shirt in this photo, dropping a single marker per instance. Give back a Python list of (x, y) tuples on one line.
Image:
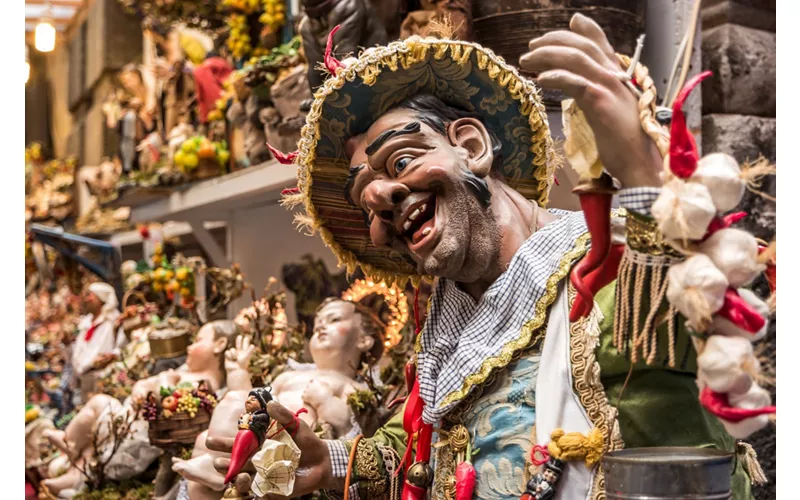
[(460, 332)]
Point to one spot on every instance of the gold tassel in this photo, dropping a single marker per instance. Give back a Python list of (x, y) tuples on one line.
[(749, 459), (576, 446)]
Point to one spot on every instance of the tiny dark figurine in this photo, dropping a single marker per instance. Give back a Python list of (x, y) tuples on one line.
[(360, 27), (253, 425), (543, 485)]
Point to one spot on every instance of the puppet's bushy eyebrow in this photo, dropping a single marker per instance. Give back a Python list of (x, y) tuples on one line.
[(411, 128)]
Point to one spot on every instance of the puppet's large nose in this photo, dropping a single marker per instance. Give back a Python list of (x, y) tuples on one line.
[(383, 196)]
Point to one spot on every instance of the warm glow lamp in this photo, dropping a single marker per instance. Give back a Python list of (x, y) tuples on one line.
[(27, 64), (45, 36)]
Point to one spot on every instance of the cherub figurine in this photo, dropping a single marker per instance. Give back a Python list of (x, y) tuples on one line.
[(346, 333), (542, 485), (204, 361), (253, 425)]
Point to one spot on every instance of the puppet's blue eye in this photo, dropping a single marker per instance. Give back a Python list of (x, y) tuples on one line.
[(401, 164)]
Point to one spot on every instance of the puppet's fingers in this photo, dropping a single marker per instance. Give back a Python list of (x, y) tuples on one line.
[(221, 444), (563, 38), (585, 26), (574, 86), (566, 58)]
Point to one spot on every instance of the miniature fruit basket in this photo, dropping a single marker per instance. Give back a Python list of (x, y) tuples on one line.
[(182, 414), (201, 158), (170, 338)]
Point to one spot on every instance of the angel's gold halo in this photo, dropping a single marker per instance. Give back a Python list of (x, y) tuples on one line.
[(395, 300)]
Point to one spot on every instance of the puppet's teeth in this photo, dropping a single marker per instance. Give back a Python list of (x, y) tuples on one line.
[(407, 224), (426, 231)]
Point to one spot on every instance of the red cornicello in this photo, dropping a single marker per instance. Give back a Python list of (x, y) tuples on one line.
[(331, 63), (465, 481), (282, 158), (683, 154), (717, 403), (736, 310), (725, 222)]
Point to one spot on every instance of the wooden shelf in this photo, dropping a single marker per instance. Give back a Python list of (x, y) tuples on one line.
[(210, 199)]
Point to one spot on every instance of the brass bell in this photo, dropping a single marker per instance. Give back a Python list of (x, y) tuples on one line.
[(420, 474)]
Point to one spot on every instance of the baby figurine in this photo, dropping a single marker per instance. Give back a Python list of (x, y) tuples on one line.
[(344, 333)]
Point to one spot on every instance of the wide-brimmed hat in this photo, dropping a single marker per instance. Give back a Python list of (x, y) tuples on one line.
[(359, 91)]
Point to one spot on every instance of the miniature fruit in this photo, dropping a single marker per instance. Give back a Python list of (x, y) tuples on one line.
[(179, 158), (187, 146), (181, 274), (186, 292), (158, 287), (191, 161), (172, 286), (169, 403), (31, 414), (169, 274), (223, 156)]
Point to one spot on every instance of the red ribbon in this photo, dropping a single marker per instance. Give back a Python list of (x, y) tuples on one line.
[(331, 63), (543, 451), (282, 158), (736, 310)]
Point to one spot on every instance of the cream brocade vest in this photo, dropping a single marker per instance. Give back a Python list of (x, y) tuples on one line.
[(535, 395)]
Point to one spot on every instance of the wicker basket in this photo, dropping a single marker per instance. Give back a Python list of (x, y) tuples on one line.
[(178, 429), (507, 26), (141, 319), (206, 168), (173, 345)]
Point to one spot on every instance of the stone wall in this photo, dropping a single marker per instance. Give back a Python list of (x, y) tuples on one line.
[(739, 101)]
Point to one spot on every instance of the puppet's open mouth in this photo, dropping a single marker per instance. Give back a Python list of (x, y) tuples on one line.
[(420, 220)]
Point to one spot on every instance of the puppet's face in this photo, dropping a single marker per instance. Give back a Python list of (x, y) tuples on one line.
[(205, 350), (251, 404), (425, 194), (550, 476), (338, 332)]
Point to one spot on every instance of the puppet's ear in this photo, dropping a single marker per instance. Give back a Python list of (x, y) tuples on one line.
[(365, 342), (471, 136)]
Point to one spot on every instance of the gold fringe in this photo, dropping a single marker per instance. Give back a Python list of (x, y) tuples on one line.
[(640, 273), (749, 458)]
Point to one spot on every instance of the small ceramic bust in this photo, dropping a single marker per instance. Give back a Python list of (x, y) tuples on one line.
[(543, 484), (345, 333)]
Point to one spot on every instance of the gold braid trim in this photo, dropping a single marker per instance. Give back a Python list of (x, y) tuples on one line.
[(368, 67), (584, 338), (526, 334), (642, 235), (370, 480)]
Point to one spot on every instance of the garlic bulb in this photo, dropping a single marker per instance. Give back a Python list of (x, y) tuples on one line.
[(756, 397), (697, 290), (725, 327), (735, 253), (723, 364), (683, 210), (720, 173)]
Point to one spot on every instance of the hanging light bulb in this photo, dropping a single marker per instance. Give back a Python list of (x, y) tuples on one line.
[(45, 34), (27, 63)]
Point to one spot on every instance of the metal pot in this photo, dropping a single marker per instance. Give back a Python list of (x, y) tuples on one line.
[(668, 473)]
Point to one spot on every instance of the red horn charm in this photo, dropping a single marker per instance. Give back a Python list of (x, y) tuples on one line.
[(245, 445), (331, 63), (736, 310), (717, 403), (283, 159), (596, 269), (683, 154)]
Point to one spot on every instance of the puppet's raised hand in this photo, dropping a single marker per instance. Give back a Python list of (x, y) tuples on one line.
[(314, 472), (581, 63)]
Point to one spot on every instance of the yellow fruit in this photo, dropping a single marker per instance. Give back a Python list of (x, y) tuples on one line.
[(172, 286), (182, 274), (32, 414), (187, 147), (169, 274), (157, 287), (160, 274), (179, 158), (191, 161), (29, 366), (186, 292)]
